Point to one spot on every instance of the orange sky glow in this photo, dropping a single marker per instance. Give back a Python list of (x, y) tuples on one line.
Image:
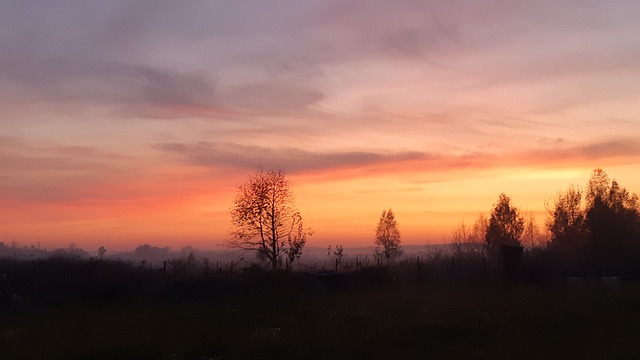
[(127, 123)]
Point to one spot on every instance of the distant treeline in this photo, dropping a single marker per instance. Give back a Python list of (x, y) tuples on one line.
[(599, 231), (595, 232)]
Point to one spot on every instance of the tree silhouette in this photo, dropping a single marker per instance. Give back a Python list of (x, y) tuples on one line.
[(566, 221), (613, 224), (479, 230), (296, 242), (338, 252), (597, 188), (266, 219), (462, 240), (531, 235), (505, 226), (469, 240), (388, 236)]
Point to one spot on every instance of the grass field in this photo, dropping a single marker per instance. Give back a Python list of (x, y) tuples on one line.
[(288, 315)]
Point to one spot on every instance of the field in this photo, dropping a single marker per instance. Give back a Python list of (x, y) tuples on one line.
[(73, 311)]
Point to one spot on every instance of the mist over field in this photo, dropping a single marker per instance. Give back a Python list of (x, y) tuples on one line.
[(319, 179)]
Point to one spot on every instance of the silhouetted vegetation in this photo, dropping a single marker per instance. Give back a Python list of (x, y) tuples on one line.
[(506, 225), (469, 241), (266, 220), (594, 236), (601, 238), (497, 292), (388, 236), (431, 307), (146, 251)]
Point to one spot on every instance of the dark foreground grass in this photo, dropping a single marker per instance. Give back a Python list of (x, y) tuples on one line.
[(293, 318)]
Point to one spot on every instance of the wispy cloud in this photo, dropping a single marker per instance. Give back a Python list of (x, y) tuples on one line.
[(611, 151), (132, 87), (290, 159), (357, 90), (297, 160), (215, 59), (49, 172), (271, 97)]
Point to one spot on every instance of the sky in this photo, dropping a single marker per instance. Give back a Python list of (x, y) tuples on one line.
[(130, 122)]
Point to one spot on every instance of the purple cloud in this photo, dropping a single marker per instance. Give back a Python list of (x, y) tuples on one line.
[(290, 159)]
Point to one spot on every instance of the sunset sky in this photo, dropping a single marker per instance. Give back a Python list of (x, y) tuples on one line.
[(130, 122)]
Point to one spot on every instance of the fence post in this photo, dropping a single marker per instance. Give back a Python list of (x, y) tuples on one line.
[(484, 264), (452, 265), (164, 270)]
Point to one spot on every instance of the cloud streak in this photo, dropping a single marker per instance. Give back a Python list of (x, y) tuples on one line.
[(132, 87), (293, 160), (296, 160), (128, 105), (221, 60)]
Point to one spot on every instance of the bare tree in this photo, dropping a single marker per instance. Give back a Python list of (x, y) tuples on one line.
[(388, 236), (338, 252), (468, 240), (479, 230), (461, 240), (532, 236), (101, 252), (296, 241), (266, 220)]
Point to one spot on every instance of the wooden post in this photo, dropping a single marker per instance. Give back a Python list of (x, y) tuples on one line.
[(231, 273), (93, 269), (452, 265), (484, 263), (164, 270)]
